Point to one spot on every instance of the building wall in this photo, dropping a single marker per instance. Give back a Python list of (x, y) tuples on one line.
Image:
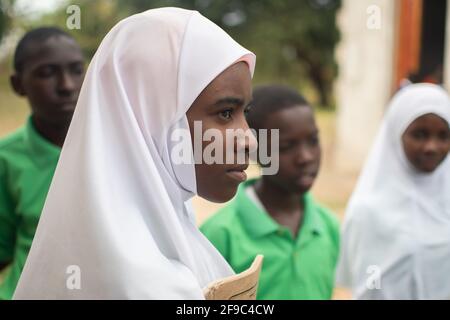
[(365, 57), (447, 50)]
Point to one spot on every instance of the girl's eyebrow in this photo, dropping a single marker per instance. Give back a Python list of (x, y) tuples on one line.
[(233, 101), (229, 100)]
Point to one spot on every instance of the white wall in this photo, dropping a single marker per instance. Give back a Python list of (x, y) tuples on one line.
[(365, 57), (447, 50)]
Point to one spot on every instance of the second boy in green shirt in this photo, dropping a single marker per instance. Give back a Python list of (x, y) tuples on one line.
[(49, 70), (276, 215)]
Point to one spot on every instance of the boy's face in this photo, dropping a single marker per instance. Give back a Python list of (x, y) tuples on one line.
[(221, 106), (300, 152), (51, 78)]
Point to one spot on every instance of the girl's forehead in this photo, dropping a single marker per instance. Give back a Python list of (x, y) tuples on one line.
[(431, 119)]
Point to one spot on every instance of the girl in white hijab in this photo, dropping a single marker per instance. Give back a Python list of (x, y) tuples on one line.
[(396, 234), (116, 223)]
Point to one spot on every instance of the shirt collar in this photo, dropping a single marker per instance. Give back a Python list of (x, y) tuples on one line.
[(259, 223), (42, 150)]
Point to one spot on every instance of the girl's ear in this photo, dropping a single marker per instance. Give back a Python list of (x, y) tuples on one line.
[(16, 83)]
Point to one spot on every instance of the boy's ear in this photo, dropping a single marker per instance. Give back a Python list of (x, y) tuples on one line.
[(16, 83)]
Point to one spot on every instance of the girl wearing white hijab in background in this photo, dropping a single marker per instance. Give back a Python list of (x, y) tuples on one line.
[(396, 233), (116, 223)]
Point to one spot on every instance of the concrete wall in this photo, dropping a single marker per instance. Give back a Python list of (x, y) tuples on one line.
[(447, 50), (365, 57)]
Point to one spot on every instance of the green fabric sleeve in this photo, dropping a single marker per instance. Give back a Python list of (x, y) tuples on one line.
[(8, 226), (219, 237)]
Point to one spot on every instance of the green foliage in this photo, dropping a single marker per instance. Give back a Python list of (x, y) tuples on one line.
[(5, 16), (97, 18), (294, 40)]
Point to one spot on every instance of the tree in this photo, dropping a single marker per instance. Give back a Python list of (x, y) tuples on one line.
[(5, 16), (293, 39)]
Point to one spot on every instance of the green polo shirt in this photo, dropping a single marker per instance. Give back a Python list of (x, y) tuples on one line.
[(301, 268), (27, 164)]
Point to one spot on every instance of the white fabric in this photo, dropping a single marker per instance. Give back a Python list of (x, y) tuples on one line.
[(398, 220), (118, 206)]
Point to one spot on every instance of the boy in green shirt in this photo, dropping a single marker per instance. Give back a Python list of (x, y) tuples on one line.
[(49, 70), (276, 215)]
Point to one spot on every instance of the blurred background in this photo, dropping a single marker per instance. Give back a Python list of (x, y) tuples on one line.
[(346, 56)]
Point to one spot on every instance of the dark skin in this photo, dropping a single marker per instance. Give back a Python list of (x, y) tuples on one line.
[(222, 105), (299, 163), (51, 80), (3, 265), (426, 142)]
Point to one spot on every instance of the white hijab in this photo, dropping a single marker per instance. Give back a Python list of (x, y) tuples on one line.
[(117, 207), (397, 224)]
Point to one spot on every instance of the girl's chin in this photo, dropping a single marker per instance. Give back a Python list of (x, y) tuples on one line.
[(221, 196)]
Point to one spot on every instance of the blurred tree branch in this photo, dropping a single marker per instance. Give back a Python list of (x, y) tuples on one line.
[(294, 39), (6, 9)]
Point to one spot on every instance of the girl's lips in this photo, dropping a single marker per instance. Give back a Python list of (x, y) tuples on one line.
[(430, 164), (237, 175)]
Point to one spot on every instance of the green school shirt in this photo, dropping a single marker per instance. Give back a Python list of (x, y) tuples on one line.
[(301, 268), (27, 165)]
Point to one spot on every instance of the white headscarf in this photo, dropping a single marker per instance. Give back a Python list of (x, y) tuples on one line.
[(397, 224), (117, 206)]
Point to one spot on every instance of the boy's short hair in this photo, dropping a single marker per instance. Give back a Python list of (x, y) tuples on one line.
[(35, 35), (268, 99)]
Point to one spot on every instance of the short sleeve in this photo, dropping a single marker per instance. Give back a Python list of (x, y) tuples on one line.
[(219, 236), (8, 227)]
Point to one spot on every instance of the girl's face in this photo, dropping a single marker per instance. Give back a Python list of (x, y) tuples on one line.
[(427, 142), (221, 106)]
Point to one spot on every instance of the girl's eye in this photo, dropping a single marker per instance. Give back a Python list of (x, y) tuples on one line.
[(419, 135), (247, 109), (226, 114), (444, 136)]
